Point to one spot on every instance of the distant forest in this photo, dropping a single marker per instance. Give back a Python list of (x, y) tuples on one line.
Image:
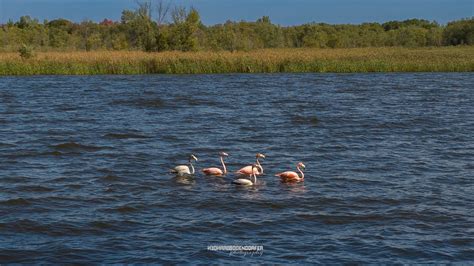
[(158, 26)]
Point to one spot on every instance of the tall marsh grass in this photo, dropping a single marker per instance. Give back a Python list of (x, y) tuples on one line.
[(442, 59)]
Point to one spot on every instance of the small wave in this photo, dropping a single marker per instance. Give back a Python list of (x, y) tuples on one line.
[(123, 209), (170, 138), (32, 154), (52, 229), (75, 186), (110, 177), (248, 128), (125, 136), (73, 146), (24, 225), (60, 179), (102, 225), (304, 120), (15, 202), (392, 215), (141, 102), (342, 219), (126, 209), (35, 188), (272, 205), (394, 125), (293, 257), (359, 180), (17, 256), (198, 227), (428, 216), (53, 153), (461, 241), (5, 145), (385, 201), (16, 179), (66, 108), (190, 101)]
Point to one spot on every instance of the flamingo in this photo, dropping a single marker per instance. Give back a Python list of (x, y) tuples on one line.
[(247, 182), (247, 170), (290, 176), (216, 171), (183, 170)]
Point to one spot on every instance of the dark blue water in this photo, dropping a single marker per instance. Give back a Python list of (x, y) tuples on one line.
[(389, 178)]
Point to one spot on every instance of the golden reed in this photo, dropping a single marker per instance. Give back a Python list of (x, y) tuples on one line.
[(347, 60)]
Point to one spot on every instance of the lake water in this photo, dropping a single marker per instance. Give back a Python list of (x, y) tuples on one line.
[(389, 177)]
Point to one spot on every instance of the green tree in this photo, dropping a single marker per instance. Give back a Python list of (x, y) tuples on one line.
[(459, 32), (138, 30), (141, 31), (270, 35), (184, 29), (26, 22), (412, 36)]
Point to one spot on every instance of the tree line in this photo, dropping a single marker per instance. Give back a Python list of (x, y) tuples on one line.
[(161, 27)]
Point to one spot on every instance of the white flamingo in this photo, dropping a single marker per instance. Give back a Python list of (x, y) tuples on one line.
[(183, 170)]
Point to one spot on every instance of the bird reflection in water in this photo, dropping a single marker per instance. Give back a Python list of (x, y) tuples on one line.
[(185, 180)]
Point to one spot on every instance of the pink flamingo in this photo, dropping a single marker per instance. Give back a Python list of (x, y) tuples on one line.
[(216, 171), (248, 170), (248, 182), (290, 176)]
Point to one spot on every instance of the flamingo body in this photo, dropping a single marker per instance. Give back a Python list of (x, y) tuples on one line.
[(256, 169), (216, 171), (184, 170), (247, 170), (243, 182), (248, 182), (181, 170), (289, 176), (213, 171)]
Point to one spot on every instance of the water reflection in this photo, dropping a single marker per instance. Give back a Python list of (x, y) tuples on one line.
[(188, 181)]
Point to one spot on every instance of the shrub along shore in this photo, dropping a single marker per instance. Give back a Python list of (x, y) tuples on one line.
[(345, 60)]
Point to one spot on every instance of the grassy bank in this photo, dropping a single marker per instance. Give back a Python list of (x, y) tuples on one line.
[(443, 59)]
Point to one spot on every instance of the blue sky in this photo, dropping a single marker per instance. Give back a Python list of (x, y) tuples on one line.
[(284, 12)]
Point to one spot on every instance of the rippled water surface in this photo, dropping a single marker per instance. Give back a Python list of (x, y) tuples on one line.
[(389, 178)]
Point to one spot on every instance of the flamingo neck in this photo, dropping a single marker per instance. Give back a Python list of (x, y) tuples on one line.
[(260, 166), (223, 165), (302, 174), (259, 169), (192, 167), (254, 178)]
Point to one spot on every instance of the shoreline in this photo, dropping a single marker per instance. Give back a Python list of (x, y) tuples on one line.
[(289, 60)]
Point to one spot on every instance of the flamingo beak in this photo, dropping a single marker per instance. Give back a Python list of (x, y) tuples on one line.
[(194, 158), (224, 154), (261, 155)]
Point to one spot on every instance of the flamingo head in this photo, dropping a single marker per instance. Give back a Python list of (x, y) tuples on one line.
[(192, 157), (260, 155), (223, 154), (301, 165)]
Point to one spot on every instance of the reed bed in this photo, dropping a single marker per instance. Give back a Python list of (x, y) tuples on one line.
[(396, 59)]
